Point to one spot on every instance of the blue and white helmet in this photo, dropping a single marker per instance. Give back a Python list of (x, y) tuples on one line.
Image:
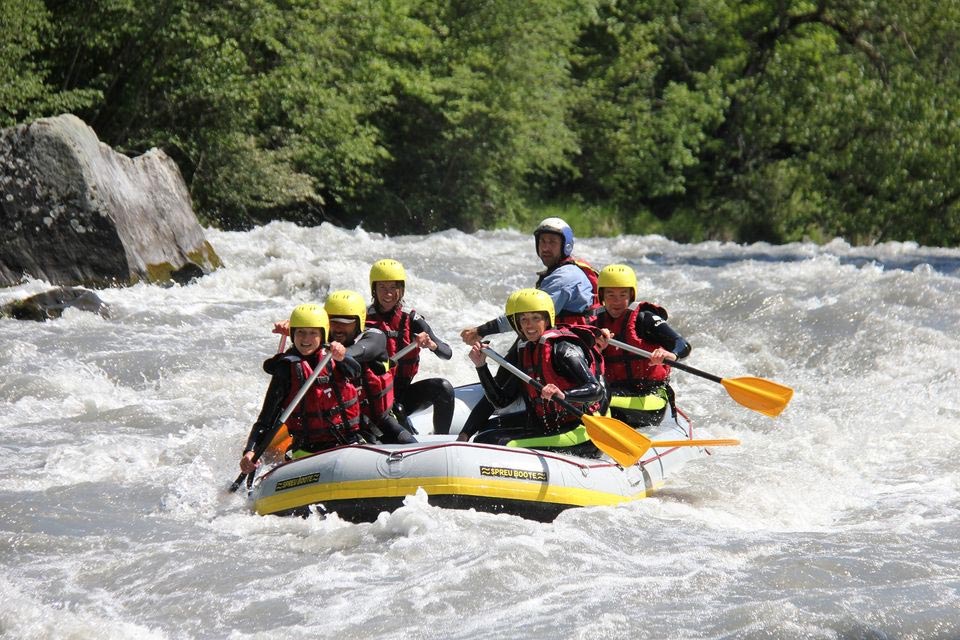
[(559, 227)]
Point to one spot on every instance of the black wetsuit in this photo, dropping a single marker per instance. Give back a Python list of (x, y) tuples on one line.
[(413, 395), (654, 329), (370, 350)]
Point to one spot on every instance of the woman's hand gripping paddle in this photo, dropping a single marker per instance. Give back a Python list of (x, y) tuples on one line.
[(615, 438), (282, 420), (764, 396)]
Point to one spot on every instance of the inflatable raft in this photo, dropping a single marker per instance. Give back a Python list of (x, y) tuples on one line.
[(358, 482)]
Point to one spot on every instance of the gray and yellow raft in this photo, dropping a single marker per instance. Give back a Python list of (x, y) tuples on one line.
[(358, 482)]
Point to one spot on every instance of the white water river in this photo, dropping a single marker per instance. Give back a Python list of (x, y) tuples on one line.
[(839, 519)]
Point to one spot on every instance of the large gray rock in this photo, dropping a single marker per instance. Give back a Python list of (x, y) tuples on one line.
[(75, 212)]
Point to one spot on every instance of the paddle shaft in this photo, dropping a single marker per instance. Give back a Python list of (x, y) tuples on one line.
[(266, 438), (399, 354), (617, 439), (670, 363), (499, 359), (765, 396)]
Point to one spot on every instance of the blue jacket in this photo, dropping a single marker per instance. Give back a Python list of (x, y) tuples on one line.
[(567, 286)]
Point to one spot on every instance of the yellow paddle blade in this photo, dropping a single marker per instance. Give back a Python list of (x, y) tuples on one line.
[(278, 446), (616, 439), (769, 398)]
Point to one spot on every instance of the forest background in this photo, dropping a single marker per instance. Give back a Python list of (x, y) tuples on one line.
[(696, 119)]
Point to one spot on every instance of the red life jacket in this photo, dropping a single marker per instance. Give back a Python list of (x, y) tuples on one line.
[(625, 369), (568, 317), (592, 275), (376, 392), (535, 359), (397, 325), (331, 405)]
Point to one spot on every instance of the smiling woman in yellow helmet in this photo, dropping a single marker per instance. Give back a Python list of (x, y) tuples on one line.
[(329, 413), (388, 281), (640, 387), (561, 360)]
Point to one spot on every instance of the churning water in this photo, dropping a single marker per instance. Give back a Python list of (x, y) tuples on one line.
[(839, 519)]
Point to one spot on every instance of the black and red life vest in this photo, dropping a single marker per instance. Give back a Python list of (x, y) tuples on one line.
[(397, 325), (376, 391), (329, 408), (568, 317), (625, 369), (535, 359)]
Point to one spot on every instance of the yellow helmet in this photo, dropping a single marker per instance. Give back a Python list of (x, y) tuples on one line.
[(310, 315), (387, 270), (347, 304), (528, 300), (617, 275)]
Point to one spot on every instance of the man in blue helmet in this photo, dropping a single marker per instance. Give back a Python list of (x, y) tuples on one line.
[(569, 281)]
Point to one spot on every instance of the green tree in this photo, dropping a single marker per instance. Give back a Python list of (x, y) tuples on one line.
[(776, 121), (849, 124), (178, 74), (337, 66), (25, 91), (653, 93), (487, 120), (717, 119)]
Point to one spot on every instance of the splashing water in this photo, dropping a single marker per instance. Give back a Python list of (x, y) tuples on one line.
[(839, 519)]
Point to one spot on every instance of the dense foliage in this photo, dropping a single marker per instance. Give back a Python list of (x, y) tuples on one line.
[(756, 120)]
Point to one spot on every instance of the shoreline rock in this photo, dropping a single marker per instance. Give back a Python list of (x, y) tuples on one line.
[(75, 212)]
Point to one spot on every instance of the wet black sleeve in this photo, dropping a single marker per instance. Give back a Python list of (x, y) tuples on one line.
[(270, 364), (488, 328), (652, 327), (572, 364), (503, 389), (371, 346), (272, 407), (418, 324)]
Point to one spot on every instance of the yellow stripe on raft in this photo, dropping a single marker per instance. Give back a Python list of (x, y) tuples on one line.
[(401, 487)]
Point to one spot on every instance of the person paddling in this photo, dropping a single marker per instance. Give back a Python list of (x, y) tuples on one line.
[(328, 415), (563, 361), (348, 312), (387, 286), (571, 284), (640, 386)]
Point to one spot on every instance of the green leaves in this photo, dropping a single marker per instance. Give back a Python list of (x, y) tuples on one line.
[(25, 93), (695, 118)]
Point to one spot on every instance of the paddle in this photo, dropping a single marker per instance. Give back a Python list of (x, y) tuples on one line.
[(399, 354), (764, 396), (617, 439), (281, 421)]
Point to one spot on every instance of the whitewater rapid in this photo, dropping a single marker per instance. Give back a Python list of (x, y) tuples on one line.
[(839, 519)]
